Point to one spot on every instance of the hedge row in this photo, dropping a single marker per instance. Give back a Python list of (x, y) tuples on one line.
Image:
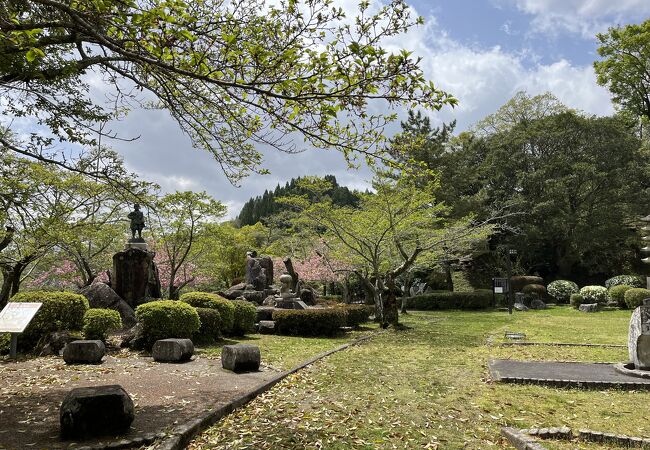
[(479, 299), (309, 322)]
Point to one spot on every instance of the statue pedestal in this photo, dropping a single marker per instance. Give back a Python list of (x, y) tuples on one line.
[(135, 275), (138, 243)]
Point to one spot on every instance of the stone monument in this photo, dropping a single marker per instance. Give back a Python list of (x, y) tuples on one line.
[(135, 275), (639, 337)]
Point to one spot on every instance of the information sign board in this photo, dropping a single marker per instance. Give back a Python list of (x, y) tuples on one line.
[(15, 317)]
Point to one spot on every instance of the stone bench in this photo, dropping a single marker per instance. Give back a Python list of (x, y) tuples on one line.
[(96, 411), (240, 357), (84, 352), (172, 350)]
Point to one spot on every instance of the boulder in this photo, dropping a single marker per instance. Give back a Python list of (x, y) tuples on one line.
[(54, 342), (240, 357), (84, 352), (253, 296), (267, 264), (264, 313), (96, 411), (638, 343), (255, 274), (172, 350), (537, 304), (588, 307), (234, 291), (269, 301), (135, 276), (520, 307), (100, 295), (290, 303), (266, 327), (134, 338), (308, 296)]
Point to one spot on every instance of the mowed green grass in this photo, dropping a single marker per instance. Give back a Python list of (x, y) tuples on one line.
[(429, 387)]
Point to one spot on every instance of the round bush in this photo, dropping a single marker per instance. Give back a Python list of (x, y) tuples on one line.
[(519, 281), (164, 319), (576, 300), (534, 289), (617, 293), (244, 318), (636, 281), (60, 311), (208, 300), (594, 294), (561, 290), (98, 322), (210, 329), (634, 297)]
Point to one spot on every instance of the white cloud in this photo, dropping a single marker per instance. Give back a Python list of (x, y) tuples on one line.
[(586, 17)]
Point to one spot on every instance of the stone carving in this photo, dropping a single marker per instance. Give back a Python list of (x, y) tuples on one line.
[(255, 273), (285, 285), (135, 276), (137, 222), (639, 337)]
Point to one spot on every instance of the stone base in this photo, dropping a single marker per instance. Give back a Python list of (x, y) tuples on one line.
[(628, 369), (84, 352), (172, 350), (241, 357), (139, 245), (290, 304), (96, 411)]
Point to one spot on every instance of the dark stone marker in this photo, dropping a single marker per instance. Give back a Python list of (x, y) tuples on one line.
[(240, 357), (84, 352), (172, 350), (135, 276), (96, 411)]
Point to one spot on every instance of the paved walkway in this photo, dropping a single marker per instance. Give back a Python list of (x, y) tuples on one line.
[(573, 374)]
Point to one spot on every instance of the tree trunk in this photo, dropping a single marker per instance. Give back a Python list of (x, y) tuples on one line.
[(7, 283), (346, 290), (391, 315), (174, 292), (450, 279)]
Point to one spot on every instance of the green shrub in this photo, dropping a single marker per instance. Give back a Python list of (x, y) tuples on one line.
[(450, 300), (634, 297), (538, 290), (561, 290), (636, 281), (244, 317), (594, 294), (617, 293), (356, 314), (164, 319), (208, 300), (576, 300), (309, 322), (210, 328), (60, 311), (99, 322), (519, 281)]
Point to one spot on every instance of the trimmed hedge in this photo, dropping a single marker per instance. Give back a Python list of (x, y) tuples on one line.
[(576, 300), (635, 281), (244, 317), (164, 319), (208, 300), (519, 281), (534, 289), (561, 290), (634, 297), (617, 293), (594, 294), (309, 322), (98, 322), (60, 311), (210, 329), (355, 315), (479, 299)]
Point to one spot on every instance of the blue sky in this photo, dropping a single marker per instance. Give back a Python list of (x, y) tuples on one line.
[(482, 52)]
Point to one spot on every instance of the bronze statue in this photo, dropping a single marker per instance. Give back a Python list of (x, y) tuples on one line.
[(137, 221)]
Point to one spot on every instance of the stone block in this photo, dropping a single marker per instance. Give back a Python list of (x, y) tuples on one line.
[(520, 307), (240, 357), (84, 352), (537, 304), (96, 411), (638, 343), (266, 327), (264, 313), (172, 350), (588, 307)]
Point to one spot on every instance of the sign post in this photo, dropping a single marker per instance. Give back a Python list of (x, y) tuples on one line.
[(14, 318)]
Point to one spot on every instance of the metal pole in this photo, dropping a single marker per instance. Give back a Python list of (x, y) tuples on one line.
[(509, 268), (13, 350)]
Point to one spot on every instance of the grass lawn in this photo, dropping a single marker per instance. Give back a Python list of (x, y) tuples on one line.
[(428, 387)]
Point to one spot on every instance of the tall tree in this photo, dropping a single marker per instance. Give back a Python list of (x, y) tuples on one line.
[(625, 66), (180, 219), (232, 74)]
